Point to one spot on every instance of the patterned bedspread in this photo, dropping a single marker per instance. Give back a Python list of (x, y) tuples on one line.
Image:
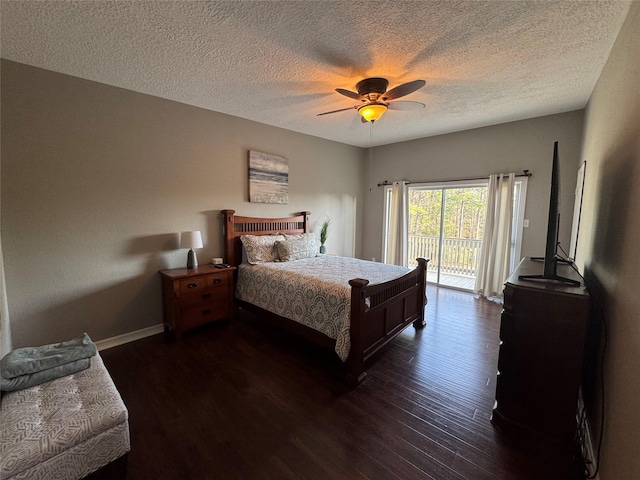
[(313, 291)]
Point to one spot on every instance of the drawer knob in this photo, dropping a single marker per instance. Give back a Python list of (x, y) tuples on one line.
[(193, 285), (217, 280)]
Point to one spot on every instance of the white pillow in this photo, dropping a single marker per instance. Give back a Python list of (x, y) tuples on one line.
[(295, 247), (260, 248)]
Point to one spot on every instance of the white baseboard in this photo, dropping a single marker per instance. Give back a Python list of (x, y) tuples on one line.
[(129, 337)]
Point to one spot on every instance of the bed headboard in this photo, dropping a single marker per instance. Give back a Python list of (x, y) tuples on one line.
[(233, 226)]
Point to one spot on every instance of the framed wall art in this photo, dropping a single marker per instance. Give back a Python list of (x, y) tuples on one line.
[(268, 178)]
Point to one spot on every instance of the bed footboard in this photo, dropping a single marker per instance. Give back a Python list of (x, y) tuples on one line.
[(380, 312)]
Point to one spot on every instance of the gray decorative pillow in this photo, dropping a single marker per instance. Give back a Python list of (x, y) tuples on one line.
[(260, 248), (295, 247)]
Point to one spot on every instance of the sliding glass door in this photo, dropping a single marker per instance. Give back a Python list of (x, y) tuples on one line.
[(452, 236), (446, 224)]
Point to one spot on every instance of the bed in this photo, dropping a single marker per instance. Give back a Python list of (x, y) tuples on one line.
[(376, 308)]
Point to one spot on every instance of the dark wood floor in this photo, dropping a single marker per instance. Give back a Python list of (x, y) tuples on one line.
[(238, 400)]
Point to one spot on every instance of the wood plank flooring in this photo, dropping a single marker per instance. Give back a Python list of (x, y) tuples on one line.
[(241, 400)]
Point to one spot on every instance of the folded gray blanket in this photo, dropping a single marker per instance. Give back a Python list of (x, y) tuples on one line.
[(32, 379), (30, 360)]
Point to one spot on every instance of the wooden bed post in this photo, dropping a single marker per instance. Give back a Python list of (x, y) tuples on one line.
[(355, 361), (422, 300), (305, 215), (228, 230)]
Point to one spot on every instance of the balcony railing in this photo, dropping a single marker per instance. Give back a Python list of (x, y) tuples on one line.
[(459, 255)]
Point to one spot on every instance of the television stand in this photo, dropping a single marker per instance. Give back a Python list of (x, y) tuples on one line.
[(558, 259), (555, 278)]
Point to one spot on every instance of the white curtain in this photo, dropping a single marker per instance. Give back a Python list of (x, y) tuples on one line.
[(396, 253), (493, 268), (5, 327)]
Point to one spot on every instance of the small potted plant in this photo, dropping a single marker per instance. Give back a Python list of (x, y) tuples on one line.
[(324, 232)]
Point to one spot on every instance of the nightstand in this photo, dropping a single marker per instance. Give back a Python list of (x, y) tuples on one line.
[(194, 297)]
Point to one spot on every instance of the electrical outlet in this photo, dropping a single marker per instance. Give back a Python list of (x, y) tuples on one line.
[(373, 259), (525, 223)]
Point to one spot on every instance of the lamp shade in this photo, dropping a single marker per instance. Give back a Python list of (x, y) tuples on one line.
[(191, 240), (372, 111)]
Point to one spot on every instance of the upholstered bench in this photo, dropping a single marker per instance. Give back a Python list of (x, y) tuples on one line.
[(68, 428)]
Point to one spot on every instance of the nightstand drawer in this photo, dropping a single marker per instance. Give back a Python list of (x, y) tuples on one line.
[(204, 296), (192, 317), (192, 285), (197, 284), (219, 280)]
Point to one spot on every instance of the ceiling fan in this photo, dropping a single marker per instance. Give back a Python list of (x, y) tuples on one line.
[(375, 98)]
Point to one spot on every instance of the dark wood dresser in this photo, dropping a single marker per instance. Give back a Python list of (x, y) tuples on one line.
[(542, 333), (197, 296)]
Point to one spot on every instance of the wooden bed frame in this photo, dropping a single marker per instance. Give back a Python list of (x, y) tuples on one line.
[(378, 312)]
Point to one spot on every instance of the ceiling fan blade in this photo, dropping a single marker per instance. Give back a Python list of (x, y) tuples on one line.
[(336, 111), (404, 89), (405, 105), (349, 93)]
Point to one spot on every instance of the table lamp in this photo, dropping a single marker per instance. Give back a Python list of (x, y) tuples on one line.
[(191, 240)]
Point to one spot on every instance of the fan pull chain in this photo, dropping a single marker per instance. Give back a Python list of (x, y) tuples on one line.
[(370, 156)]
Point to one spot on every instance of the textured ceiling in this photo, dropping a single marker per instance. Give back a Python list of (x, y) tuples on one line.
[(278, 63)]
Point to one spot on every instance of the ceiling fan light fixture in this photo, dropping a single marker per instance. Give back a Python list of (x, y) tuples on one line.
[(372, 112)]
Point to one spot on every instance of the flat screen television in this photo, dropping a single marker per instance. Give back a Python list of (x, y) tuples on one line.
[(551, 258)]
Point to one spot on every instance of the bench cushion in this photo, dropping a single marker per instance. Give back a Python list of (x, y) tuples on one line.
[(66, 428)]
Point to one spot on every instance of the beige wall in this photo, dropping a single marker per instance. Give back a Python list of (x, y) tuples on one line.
[(97, 182), (608, 247), (509, 147)]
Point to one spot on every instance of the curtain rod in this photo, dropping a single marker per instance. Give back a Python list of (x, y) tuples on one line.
[(525, 173)]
